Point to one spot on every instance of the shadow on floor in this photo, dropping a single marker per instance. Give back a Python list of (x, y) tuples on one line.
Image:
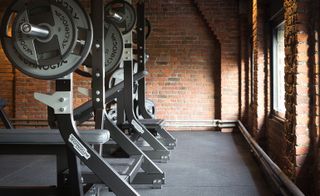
[(203, 164)]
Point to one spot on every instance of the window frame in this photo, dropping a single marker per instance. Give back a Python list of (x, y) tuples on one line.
[(276, 21)]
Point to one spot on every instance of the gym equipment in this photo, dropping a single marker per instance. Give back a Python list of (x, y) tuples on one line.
[(74, 146), (122, 14), (125, 109), (117, 77), (48, 142), (112, 113), (147, 30), (126, 119), (154, 125), (143, 170), (150, 107), (85, 111), (95, 168), (46, 39), (5, 120), (113, 44)]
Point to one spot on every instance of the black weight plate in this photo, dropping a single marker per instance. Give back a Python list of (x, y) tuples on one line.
[(126, 11), (148, 26), (114, 46), (60, 41), (68, 63), (112, 113), (116, 78), (150, 107), (147, 31)]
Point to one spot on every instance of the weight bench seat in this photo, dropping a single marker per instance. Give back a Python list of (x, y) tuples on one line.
[(48, 136)]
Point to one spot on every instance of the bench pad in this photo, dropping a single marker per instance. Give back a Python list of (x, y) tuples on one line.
[(48, 136)]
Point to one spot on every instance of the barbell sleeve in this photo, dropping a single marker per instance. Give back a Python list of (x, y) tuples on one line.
[(115, 16), (34, 30)]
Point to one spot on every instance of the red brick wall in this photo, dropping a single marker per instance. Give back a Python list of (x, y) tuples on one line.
[(293, 142), (259, 104), (184, 62), (223, 19)]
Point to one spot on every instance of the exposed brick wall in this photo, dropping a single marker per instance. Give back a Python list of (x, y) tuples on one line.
[(298, 92), (277, 143), (184, 62), (316, 109), (223, 19), (307, 130), (292, 143), (260, 72), (244, 68)]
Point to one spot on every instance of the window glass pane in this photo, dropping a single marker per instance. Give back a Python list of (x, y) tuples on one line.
[(278, 70)]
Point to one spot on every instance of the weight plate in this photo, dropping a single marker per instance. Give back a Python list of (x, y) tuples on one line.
[(127, 13), (147, 31), (150, 107), (61, 51), (51, 49), (117, 77), (112, 113), (114, 45), (148, 28)]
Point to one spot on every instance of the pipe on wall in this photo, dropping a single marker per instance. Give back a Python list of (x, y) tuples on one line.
[(284, 185), (281, 182)]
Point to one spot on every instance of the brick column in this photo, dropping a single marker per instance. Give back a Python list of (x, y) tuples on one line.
[(260, 74), (299, 102)]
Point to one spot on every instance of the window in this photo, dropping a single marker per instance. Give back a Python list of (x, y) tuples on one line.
[(278, 62)]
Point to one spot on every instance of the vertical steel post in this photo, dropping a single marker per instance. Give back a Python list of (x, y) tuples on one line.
[(141, 59), (98, 62)]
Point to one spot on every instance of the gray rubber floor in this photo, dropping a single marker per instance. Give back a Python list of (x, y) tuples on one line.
[(203, 164)]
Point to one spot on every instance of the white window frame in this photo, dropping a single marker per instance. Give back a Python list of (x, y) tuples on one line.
[(278, 87)]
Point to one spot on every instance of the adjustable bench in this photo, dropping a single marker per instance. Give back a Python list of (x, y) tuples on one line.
[(47, 136)]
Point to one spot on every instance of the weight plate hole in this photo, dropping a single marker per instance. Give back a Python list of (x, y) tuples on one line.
[(82, 35), (78, 49), (48, 54)]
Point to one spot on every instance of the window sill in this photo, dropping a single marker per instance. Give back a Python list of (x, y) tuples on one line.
[(280, 117)]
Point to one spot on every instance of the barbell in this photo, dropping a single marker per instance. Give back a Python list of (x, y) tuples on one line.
[(46, 39)]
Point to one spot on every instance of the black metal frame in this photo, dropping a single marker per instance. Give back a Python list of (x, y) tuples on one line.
[(126, 106), (167, 139), (98, 62), (58, 150), (76, 149), (5, 120)]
